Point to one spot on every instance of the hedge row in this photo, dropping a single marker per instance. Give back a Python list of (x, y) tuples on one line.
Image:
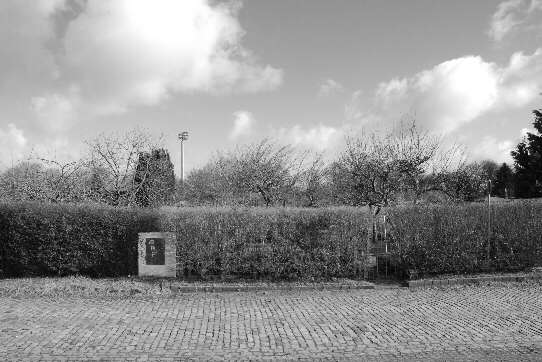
[(269, 243), (39, 239), (467, 239), (46, 239), (275, 243)]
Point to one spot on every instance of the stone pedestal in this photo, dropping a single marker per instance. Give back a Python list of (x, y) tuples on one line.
[(157, 255)]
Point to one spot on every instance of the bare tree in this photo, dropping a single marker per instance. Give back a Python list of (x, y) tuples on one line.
[(41, 179), (63, 180), (22, 181), (375, 170), (468, 183), (312, 182), (262, 173), (113, 160), (267, 169)]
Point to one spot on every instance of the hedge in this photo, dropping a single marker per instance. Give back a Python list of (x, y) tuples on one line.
[(38, 239), (46, 239), (273, 243), (269, 243), (454, 239)]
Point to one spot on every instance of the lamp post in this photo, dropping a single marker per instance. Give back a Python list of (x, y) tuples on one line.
[(183, 136), (489, 222)]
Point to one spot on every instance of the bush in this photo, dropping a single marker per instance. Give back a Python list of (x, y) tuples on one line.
[(45, 239), (454, 238), (272, 243), (266, 243)]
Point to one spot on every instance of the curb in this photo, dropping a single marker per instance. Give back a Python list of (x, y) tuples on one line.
[(261, 288), (435, 283)]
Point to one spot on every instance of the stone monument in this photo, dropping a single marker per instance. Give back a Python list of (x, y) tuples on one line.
[(157, 255)]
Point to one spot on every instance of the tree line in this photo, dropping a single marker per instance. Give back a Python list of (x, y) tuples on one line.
[(119, 170), (374, 169)]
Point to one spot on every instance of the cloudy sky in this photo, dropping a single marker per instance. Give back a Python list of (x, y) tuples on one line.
[(305, 71)]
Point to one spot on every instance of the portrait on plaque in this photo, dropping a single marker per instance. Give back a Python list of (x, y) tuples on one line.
[(155, 251)]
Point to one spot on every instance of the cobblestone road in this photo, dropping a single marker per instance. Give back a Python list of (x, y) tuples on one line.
[(499, 322)]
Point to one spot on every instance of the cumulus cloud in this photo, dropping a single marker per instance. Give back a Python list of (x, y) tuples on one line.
[(24, 32), (395, 89), (125, 53), (524, 131), (456, 92), (355, 109), (330, 87), (55, 112), (319, 138), (493, 149), (140, 51), (512, 15), (242, 124), (12, 144)]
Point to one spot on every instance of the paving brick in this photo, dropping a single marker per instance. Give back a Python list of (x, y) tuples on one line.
[(475, 322)]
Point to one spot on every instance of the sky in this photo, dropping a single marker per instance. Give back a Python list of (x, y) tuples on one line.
[(304, 72)]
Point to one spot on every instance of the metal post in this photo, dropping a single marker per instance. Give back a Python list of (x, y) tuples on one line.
[(489, 222), (182, 161), (183, 136)]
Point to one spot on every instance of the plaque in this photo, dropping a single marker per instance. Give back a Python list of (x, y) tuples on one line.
[(155, 251), (157, 255)]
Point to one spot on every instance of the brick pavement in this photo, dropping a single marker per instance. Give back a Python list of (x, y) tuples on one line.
[(497, 322)]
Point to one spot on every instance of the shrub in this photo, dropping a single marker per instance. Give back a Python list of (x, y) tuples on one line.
[(267, 243), (46, 239), (454, 238), (272, 243)]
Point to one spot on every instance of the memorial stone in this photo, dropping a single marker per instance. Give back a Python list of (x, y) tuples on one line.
[(157, 254)]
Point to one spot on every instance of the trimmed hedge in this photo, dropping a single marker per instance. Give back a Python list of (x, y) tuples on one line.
[(46, 239), (279, 244), (454, 239), (38, 239), (274, 243)]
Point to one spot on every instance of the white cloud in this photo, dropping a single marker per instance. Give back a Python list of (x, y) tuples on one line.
[(242, 124), (125, 53), (393, 90), (493, 149), (455, 92), (140, 51), (12, 144), (55, 112), (330, 87), (319, 138), (512, 15), (57, 148), (353, 109), (24, 32), (524, 131)]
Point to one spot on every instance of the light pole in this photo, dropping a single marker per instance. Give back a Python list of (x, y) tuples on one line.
[(183, 136), (489, 222)]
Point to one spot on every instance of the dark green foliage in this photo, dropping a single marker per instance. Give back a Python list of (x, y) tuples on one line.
[(528, 161), (504, 182), (155, 179), (44, 239), (266, 243), (469, 183), (454, 239)]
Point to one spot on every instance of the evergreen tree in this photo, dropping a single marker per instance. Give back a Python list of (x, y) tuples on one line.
[(528, 161), (155, 179), (504, 181)]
